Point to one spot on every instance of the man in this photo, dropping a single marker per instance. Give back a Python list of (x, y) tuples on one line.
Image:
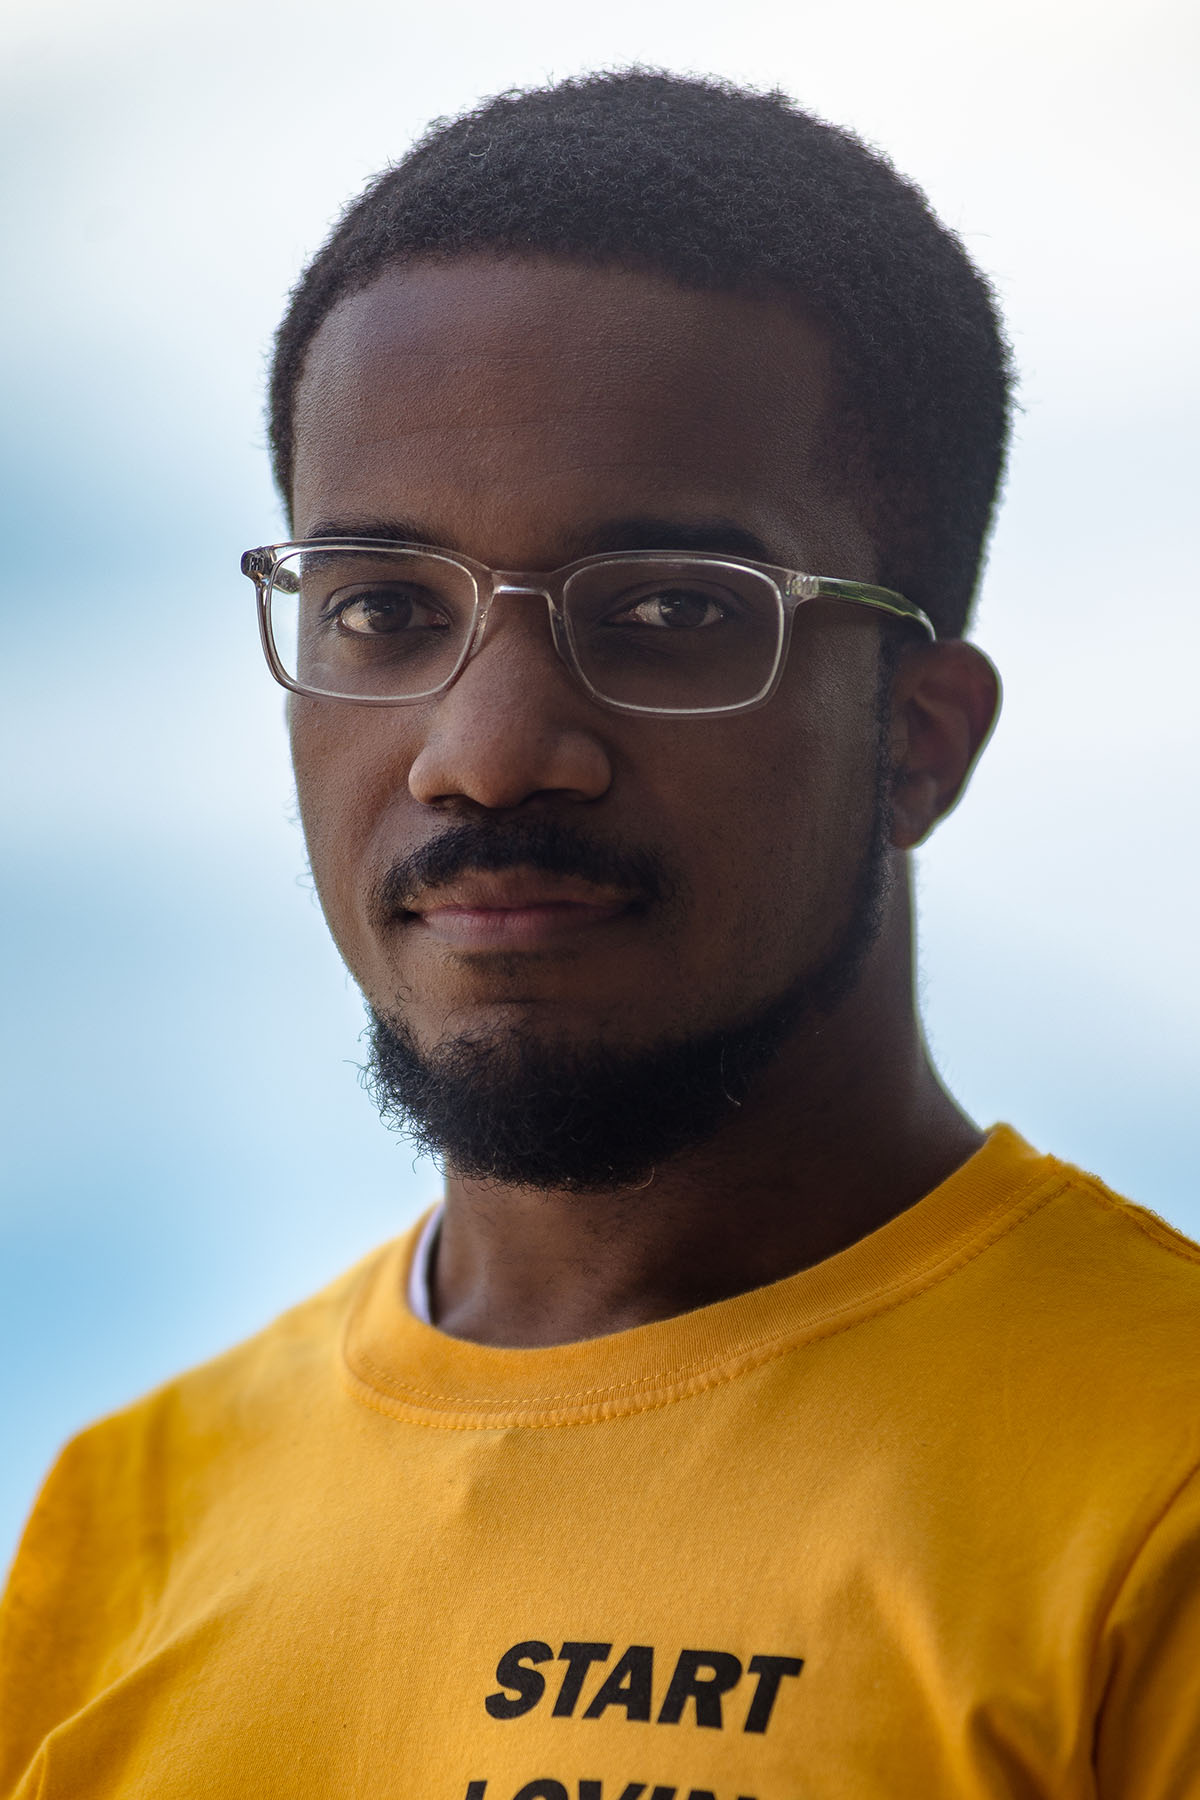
[(746, 1423)]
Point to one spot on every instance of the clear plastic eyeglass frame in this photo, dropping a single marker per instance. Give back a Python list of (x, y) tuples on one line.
[(791, 587)]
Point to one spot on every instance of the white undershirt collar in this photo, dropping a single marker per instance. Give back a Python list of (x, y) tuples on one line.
[(420, 1282)]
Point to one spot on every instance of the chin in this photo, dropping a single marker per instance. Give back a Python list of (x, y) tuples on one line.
[(520, 1098)]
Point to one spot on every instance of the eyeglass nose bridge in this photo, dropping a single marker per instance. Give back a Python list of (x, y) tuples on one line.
[(509, 584)]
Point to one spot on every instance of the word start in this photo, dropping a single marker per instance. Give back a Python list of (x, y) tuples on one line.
[(594, 1790), (697, 1688)]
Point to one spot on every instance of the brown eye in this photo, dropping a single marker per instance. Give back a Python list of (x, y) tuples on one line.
[(385, 611), (673, 609)]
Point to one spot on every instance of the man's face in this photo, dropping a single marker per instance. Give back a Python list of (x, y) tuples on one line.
[(528, 413)]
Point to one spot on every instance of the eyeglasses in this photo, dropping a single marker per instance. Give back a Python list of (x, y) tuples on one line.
[(644, 631)]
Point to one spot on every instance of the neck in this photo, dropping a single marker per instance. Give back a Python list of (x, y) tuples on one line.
[(849, 1127)]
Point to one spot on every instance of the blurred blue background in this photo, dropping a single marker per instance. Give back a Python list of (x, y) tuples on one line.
[(186, 1148)]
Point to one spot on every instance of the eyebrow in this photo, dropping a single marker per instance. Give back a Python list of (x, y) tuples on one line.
[(716, 536), (393, 531), (721, 537)]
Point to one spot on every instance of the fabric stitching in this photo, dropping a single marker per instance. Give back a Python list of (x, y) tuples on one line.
[(1156, 1229), (628, 1399)]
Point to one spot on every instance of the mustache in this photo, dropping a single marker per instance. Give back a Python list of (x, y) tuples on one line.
[(543, 844)]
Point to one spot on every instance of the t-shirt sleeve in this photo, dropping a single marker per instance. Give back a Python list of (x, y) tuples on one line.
[(1148, 1734), (76, 1593)]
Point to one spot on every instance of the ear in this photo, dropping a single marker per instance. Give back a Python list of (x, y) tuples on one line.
[(945, 699)]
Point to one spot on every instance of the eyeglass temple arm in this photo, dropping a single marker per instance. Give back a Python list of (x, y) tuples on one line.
[(860, 593)]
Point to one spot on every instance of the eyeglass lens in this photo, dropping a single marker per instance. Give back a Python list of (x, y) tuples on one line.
[(674, 634)]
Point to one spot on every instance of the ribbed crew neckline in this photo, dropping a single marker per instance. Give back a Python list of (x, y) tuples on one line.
[(400, 1365)]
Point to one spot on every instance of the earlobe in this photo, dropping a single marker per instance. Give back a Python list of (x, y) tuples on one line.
[(945, 701)]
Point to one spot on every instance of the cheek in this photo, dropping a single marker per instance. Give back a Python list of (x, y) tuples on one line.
[(791, 807), (771, 838), (344, 783)]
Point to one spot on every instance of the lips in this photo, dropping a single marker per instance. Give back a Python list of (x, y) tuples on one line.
[(515, 909)]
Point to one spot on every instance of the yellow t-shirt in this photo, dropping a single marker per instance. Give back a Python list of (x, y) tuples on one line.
[(922, 1521)]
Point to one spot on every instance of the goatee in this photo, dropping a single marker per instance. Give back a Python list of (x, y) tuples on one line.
[(518, 1110)]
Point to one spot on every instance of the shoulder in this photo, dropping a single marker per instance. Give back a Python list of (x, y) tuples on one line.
[(1098, 1250), (115, 1476), (1082, 1317), (1038, 1270), (1084, 1278), (129, 1494)]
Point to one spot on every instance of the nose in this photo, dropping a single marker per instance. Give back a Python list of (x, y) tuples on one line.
[(516, 725)]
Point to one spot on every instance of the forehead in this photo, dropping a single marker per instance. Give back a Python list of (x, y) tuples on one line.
[(508, 406)]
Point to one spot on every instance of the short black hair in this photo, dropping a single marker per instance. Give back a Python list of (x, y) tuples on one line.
[(725, 189)]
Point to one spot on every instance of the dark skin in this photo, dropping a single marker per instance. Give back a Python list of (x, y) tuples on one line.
[(527, 413)]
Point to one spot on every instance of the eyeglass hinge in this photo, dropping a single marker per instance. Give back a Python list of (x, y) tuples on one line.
[(256, 564), (803, 587)]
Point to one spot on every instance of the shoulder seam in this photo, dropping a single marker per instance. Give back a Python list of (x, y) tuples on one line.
[(1140, 1218)]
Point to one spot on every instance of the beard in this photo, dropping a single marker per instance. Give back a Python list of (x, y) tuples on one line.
[(523, 1111)]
